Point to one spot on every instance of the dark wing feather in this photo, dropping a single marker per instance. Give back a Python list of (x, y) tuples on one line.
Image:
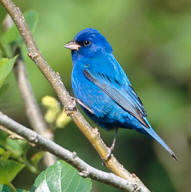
[(122, 98)]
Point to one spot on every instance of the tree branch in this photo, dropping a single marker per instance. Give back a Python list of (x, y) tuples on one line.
[(55, 80), (32, 108), (72, 158)]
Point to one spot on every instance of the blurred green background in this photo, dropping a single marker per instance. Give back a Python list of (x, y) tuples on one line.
[(152, 41)]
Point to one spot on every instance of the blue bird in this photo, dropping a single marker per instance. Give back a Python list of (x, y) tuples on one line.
[(102, 88)]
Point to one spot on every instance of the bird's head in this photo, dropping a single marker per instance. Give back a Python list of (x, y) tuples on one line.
[(88, 43)]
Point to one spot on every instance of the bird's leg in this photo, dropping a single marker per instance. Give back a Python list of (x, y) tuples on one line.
[(83, 105), (113, 144)]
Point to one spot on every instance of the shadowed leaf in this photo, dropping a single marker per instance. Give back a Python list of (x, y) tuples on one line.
[(5, 188)]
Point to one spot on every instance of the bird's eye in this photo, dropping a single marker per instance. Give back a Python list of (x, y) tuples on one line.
[(86, 43)]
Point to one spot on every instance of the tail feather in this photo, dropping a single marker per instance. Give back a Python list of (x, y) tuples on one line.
[(155, 136)]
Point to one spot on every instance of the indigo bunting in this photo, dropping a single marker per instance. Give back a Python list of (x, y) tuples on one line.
[(102, 88)]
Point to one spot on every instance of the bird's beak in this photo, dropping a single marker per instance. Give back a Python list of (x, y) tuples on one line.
[(72, 45)]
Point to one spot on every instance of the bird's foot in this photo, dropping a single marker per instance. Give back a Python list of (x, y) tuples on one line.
[(83, 105), (109, 154)]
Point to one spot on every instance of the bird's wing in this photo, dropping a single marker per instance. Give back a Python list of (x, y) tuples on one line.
[(125, 98)]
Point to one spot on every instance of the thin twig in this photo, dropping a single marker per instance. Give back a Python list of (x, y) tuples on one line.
[(32, 108), (55, 80), (11, 134), (71, 157)]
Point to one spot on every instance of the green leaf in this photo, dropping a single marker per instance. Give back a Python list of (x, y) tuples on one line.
[(12, 34), (2, 151), (6, 50), (5, 188), (61, 177), (3, 137), (6, 66), (8, 170), (16, 147)]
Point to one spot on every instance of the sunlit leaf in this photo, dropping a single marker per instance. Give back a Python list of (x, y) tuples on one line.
[(61, 177), (8, 170), (6, 66), (16, 147), (1, 150), (12, 33)]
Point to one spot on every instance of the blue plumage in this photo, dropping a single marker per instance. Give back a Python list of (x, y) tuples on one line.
[(102, 87)]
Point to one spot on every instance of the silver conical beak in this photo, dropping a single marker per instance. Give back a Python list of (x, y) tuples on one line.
[(72, 45)]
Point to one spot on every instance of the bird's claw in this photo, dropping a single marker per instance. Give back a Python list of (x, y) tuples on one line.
[(109, 154), (108, 157)]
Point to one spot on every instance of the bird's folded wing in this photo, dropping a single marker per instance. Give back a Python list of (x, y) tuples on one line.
[(128, 100)]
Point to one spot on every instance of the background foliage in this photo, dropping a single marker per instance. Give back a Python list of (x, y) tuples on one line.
[(151, 40)]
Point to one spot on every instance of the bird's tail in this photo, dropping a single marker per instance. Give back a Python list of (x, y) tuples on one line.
[(155, 136)]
